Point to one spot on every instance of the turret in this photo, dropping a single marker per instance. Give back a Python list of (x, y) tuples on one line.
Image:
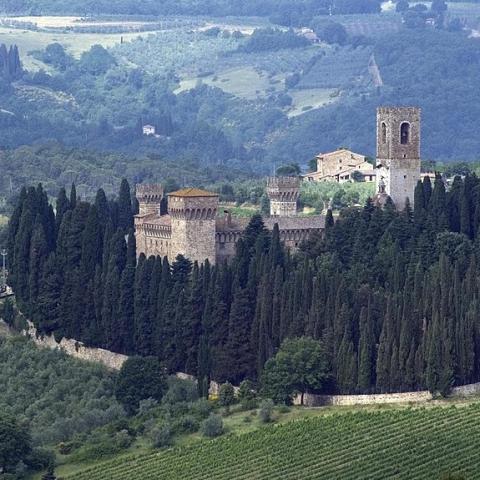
[(149, 197), (283, 193)]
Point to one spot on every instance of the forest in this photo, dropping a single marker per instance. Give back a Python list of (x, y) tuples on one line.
[(291, 10), (391, 296), (208, 126)]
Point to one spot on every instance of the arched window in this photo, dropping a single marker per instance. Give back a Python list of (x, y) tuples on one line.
[(404, 133), (384, 132)]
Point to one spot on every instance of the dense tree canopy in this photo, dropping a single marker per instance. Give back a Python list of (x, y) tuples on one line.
[(391, 296), (299, 366)]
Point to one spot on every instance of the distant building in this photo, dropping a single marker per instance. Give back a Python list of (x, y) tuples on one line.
[(148, 130), (309, 34), (339, 166)]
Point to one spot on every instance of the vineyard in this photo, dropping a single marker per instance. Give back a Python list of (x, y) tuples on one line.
[(340, 67), (411, 443)]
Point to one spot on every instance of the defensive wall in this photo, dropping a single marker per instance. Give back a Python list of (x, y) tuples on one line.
[(114, 361)]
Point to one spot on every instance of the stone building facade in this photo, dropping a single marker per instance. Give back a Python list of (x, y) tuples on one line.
[(194, 227), (338, 166), (398, 154)]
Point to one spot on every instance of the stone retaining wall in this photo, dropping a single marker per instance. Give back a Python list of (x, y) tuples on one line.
[(114, 361), (111, 360), (311, 400)]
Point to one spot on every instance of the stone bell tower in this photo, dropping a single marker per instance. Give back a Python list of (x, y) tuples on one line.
[(149, 198), (283, 194), (398, 153)]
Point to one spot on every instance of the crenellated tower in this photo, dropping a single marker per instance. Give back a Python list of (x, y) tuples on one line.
[(193, 215), (283, 193), (398, 153), (149, 197)]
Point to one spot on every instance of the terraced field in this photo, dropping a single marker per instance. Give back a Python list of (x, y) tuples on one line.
[(390, 444)]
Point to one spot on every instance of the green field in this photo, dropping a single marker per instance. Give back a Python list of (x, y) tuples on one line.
[(244, 82), (75, 43), (407, 443), (311, 98)]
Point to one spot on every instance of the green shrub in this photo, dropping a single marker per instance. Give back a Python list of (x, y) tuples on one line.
[(266, 410), (201, 408), (226, 395), (186, 424), (161, 436), (123, 439), (180, 390), (283, 409), (212, 426)]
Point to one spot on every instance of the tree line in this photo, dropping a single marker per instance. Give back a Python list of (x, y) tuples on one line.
[(393, 297), (10, 65)]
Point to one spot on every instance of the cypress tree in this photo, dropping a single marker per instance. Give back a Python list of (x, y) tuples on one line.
[(125, 215), (125, 331), (366, 353), (62, 206), (143, 325), (37, 257), (73, 197)]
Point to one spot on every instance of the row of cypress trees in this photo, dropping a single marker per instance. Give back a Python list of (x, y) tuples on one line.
[(10, 65), (393, 296)]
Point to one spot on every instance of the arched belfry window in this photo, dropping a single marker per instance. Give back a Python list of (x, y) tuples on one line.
[(405, 133), (384, 132)]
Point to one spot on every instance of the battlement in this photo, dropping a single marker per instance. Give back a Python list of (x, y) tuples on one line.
[(149, 191), (283, 193), (399, 110), (283, 182), (149, 197), (193, 204)]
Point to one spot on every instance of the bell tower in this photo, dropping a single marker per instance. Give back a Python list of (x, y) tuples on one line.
[(398, 152)]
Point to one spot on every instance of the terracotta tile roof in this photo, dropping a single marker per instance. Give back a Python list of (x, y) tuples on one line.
[(192, 192)]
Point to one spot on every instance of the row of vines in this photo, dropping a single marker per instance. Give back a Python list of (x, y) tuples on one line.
[(402, 444)]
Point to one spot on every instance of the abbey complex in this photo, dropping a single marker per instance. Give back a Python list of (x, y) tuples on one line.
[(196, 228)]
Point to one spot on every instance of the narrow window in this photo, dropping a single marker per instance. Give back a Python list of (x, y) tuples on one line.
[(384, 132), (404, 133)]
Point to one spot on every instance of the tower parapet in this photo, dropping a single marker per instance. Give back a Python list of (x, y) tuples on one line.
[(149, 197), (398, 152), (193, 215), (283, 193)]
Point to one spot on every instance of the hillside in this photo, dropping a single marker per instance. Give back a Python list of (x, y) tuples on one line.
[(401, 444)]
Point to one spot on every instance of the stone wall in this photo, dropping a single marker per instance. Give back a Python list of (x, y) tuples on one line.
[(311, 400), (113, 361)]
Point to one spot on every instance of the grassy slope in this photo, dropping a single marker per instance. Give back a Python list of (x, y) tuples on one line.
[(75, 43), (374, 443)]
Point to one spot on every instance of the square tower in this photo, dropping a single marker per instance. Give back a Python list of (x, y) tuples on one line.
[(149, 197), (398, 152), (193, 215)]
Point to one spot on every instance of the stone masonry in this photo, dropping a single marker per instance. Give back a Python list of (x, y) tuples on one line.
[(398, 153), (283, 193), (194, 228)]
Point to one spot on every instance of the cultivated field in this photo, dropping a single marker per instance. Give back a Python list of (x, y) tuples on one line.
[(424, 443)]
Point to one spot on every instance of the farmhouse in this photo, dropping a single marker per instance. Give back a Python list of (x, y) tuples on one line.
[(339, 166)]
